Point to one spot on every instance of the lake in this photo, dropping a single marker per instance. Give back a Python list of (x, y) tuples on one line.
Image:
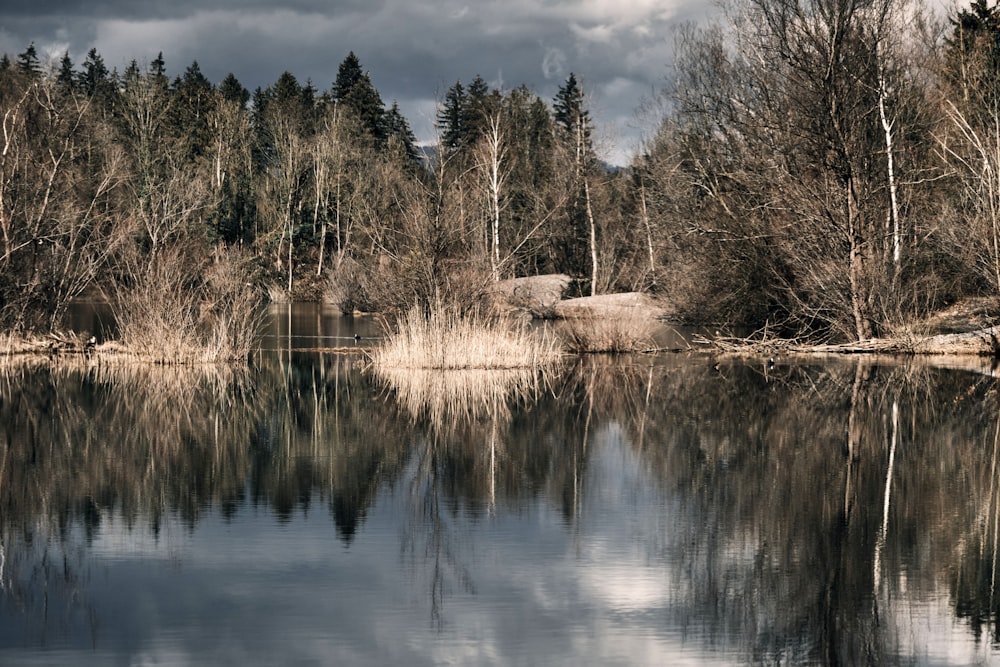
[(637, 510)]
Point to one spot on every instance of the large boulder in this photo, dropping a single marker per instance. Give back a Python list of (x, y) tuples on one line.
[(630, 304), (536, 295)]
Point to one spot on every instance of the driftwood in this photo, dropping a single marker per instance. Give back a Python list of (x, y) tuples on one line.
[(979, 343), (55, 343)]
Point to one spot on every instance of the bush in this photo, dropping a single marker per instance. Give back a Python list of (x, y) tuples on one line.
[(176, 311)]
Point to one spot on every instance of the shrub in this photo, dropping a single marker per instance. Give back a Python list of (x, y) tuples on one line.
[(177, 312)]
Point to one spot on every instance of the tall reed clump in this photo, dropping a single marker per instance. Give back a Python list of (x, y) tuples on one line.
[(173, 312), (448, 339)]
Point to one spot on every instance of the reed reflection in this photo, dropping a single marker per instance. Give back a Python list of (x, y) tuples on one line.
[(460, 420), (447, 399)]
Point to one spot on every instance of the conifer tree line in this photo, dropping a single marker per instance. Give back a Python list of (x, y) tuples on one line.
[(827, 168)]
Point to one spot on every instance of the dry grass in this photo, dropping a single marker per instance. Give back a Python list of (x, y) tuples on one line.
[(169, 316), (448, 339), (611, 330)]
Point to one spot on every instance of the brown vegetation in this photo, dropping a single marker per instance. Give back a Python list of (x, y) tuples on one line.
[(854, 198), (176, 311), (446, 338)]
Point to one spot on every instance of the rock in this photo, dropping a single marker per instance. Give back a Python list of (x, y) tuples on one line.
[(611, 305), (538, 295)]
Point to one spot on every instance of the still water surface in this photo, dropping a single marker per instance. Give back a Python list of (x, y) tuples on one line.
[(655, 510)]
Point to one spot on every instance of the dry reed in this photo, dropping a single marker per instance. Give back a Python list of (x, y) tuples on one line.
[(447, 339)]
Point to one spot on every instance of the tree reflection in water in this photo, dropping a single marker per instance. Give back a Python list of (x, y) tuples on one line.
[(460, 420), (807, 512)]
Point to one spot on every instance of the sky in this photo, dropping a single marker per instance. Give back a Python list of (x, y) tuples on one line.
[(414, 49)]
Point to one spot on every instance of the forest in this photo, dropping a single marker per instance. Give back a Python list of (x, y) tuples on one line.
[(829, 169)]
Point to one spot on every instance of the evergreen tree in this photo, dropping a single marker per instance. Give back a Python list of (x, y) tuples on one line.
[(27, 62), (354, 92), (95, 79), (193, 89), (366, 104), (309, 106), (398, 130), (158, 71), (349, 74), (259, 104), (973, 53), (308, 95), (66, 77), (286, 91), (4, 63), (571, 116), (449, 117), (95, 74), (193, 100), (572, 122), (132, 72), (475, 110), (232, 90)]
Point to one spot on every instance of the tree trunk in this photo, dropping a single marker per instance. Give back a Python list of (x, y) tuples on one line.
[(891, 175), (593, 238), (649, 232), (863, 328)]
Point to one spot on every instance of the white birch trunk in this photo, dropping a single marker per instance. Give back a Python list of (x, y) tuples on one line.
[(891, 175)]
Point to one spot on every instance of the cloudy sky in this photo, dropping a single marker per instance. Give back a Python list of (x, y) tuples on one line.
[(414, 49)]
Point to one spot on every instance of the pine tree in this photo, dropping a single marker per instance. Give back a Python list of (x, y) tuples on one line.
[(572, 122), (475, 110), (973, 53), (158, 71), (449, 117), (398, 130), (132, 72), (366, 103), (95, 79), (232, 90), (286, 91), (193, 100), (27, 62), (66, 77), (349, 74), (571, 116)]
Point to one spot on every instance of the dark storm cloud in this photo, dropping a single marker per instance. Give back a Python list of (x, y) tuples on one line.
[(414, 49), (125, 9)]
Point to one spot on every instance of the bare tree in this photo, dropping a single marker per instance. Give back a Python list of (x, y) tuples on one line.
[(283, 195), (57, 211), (492, 162), (790, 139)]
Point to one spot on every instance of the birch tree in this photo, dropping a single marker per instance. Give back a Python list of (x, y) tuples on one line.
[(492, 164), (790, 140)]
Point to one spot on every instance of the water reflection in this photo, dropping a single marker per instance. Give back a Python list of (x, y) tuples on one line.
[(643, 510), (316, 326)]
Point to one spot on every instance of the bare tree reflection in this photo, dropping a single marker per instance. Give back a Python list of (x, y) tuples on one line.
[(460, 420), (804, 509)]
